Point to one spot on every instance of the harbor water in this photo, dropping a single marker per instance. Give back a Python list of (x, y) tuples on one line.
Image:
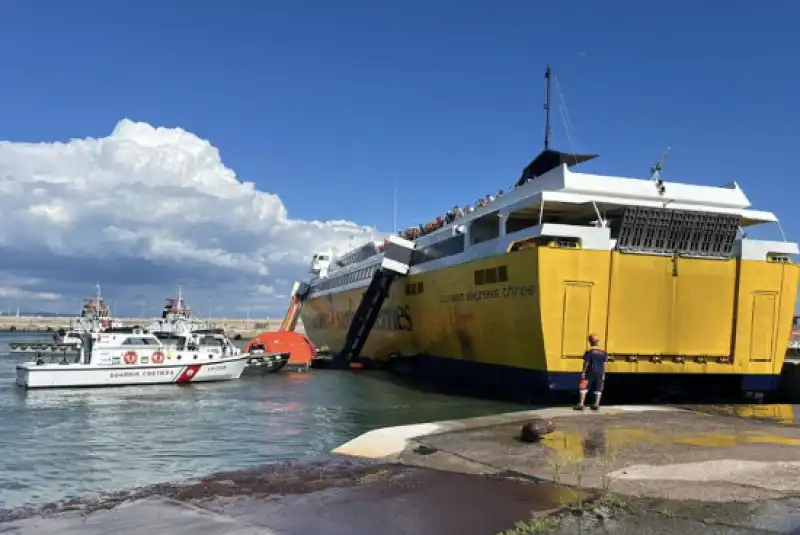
[(66, 443)]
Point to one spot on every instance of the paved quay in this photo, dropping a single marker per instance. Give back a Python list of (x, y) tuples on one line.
[(622, 470)]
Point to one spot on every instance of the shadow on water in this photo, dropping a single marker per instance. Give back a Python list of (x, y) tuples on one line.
[(628, 389)]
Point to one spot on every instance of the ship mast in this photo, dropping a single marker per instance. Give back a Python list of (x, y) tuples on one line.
[(547, 109)]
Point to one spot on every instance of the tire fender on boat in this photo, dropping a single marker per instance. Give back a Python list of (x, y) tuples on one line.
[(130, 357)]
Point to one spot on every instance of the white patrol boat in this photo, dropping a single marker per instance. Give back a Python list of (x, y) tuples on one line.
[(95, 317), (178, 330), (130, 358)]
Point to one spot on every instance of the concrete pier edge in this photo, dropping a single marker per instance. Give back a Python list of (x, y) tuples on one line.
[(387, 443)]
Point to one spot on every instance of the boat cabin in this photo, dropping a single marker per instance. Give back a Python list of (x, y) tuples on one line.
[(171, 339), (320, 264)]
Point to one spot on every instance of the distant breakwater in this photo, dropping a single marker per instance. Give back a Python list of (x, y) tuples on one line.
[(233, 326)]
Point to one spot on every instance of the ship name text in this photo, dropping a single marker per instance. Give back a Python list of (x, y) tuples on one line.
[(390, 318), (508, 292)]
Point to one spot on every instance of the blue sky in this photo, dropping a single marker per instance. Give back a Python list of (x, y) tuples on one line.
[(324, 103)]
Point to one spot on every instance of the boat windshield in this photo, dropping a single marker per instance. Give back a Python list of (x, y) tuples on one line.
[(140, 341), (171, 339), (211, 341)]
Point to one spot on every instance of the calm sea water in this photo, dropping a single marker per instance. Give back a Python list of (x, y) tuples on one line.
[(65, 443)]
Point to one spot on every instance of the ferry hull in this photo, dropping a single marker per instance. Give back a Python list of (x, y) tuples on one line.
[(33, 376), (520, 320)]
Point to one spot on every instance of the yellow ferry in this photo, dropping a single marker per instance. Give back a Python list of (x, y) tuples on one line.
[(504, 296)]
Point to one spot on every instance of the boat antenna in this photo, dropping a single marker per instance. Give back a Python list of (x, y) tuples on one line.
[(394, 206), (180, 299), (547, 109), (655, 172)]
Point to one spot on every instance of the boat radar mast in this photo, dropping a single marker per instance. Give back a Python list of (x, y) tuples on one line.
[(549, 159)]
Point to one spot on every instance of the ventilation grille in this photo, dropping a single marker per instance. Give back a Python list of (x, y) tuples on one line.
[(668, 232)]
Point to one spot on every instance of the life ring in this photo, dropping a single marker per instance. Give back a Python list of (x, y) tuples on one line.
[(130, 357), (157, 358)]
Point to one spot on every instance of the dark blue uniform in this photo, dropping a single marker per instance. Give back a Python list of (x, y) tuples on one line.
[(595, 362)]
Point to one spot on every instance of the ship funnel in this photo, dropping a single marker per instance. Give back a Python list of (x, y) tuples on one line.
[(547, 160)]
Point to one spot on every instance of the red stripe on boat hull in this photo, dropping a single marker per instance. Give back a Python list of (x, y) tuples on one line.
[(188, 373)]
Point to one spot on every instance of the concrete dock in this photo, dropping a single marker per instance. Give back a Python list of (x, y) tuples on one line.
[(621, 470)]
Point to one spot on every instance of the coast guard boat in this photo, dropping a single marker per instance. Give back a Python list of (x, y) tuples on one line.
[(95, 317), (127, 356), (178, 330)]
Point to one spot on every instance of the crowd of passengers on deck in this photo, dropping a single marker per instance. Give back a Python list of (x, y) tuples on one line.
[(412, 233)]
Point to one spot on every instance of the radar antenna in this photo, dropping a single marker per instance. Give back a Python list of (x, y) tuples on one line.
[(547, 109), (655, 172)]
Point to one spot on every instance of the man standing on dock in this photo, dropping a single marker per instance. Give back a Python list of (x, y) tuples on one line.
[(593, 374)]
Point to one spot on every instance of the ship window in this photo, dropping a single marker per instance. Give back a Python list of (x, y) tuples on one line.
[(485, 228), (420, 288), (523, 218), (491, 275), (435, 251), (410, 289), (136, 342)]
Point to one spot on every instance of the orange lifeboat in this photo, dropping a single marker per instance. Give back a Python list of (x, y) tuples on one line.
[(286, 340)]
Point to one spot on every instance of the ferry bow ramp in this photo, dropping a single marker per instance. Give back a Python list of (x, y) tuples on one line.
[(396, 262)]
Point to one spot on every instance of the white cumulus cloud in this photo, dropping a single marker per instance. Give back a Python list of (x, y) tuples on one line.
[(140, 211)]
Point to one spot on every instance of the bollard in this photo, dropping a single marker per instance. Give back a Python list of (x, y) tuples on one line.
[(535, 430)]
